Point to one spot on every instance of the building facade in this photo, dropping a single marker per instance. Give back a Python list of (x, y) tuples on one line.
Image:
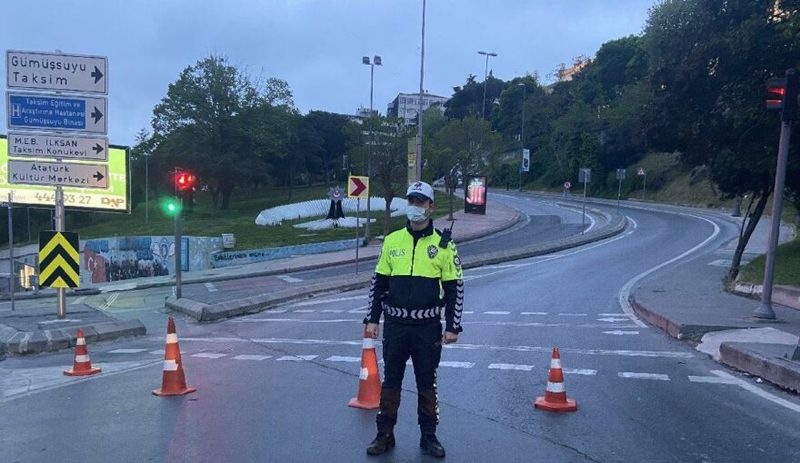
[(406, 105)]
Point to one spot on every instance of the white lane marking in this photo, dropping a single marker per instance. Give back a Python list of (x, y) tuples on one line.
[(126, 351), (496, 312), (111, 300), (547, 349), (278, 311), (157, 352), (357, 310), (591, 225), (574, 371), (569, 314), (331, 311), (615, 320), (293, 320), (758, 391), (210, 287), (625, 292), (615, 314), (711, 380), (338, 358), (251, 357), (653, 376), (468, 312), (304, 311), (297, 358), (533, 313), (327, 301), (289, 279), (567, 350), (208, 355), (510, 366), (173, 291), (450, 364), (620, 332)]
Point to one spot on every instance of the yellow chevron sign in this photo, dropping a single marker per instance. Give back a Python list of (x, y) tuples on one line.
[(59, 261)]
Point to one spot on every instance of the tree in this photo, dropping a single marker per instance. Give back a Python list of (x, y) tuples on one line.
[(709, 61), (201, 123)]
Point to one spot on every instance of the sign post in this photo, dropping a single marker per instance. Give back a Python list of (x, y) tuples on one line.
[(620, 177), (643, 173), (584, 176), (51, 115), (357, 187)]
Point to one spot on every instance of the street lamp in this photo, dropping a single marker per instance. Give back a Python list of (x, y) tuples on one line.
[(522, 133), (419, 112), (376, 61), (487, 54), (146, 189)]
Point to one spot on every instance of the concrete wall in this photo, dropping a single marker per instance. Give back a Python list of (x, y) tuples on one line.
[(229, 258)]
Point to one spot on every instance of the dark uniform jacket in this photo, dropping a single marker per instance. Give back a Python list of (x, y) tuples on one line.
[(416, 277)]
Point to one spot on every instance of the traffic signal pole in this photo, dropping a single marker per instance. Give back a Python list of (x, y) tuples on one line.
[(786, 101), (764, 310), (178, 247)]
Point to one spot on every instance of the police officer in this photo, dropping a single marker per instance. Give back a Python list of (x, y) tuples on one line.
[(417, 266)]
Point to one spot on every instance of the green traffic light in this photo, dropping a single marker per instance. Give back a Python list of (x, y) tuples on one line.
[(170, 206)]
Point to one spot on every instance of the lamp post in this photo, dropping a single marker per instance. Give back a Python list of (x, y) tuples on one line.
[(146, 189), (376, 61), (522, 134), (487, 54), (419, 111)]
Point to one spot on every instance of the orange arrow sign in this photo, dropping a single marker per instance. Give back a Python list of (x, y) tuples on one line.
[(357, 187)]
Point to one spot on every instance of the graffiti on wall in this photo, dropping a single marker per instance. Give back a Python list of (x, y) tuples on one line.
[(125, 258)]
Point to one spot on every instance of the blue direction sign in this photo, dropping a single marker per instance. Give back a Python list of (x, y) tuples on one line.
[(56, 113)]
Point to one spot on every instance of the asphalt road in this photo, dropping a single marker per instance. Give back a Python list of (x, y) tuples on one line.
[(274, 386)]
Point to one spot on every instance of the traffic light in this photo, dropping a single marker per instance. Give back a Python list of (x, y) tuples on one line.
[(776, 93), (782, 95), (184, 180), (170, 206)]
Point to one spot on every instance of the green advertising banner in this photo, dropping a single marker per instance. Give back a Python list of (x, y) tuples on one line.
[(115, 198)]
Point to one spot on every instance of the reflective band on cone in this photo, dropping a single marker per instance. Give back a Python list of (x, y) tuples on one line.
[(369, 381), (173, 381), (82, 366), (555, 395)]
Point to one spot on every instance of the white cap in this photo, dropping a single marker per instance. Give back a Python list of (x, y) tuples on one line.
[(420, 189)]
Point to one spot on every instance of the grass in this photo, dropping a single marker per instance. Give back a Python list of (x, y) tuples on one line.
[(239, 219), (787, 266)]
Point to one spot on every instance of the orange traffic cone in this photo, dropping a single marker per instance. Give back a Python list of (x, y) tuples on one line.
[(369, 381), (82, 366), (173, 381), (555, 396)]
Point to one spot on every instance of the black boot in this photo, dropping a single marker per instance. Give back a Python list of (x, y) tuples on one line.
[(431, 445), (381, 444)]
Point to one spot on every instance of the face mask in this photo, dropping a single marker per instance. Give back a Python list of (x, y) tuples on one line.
[(416, 213)]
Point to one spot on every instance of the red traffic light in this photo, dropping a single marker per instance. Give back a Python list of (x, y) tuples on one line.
[(776, 93), (184, 180)]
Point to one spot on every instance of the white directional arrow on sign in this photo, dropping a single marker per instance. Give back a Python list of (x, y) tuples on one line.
[(620, 333), (613, 319)]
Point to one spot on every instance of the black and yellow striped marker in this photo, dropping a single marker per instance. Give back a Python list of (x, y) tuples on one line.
[(59, 261)]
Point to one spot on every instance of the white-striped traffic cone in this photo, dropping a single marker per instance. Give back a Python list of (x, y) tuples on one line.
[(555, 395), (82, 366), (173, 381), (369, 381)]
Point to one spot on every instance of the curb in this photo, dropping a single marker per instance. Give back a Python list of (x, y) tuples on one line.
[(780, 371), (212, 312), (676, 330), (784, 295), (16, 342)]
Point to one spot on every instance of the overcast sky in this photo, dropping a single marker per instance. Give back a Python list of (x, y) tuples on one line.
[(315, 45)]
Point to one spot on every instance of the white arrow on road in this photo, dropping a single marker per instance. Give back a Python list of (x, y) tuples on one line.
[(613, 319), (620, 332)]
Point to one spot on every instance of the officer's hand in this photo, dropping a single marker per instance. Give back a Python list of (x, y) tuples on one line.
[(372, 330), (449, 338)]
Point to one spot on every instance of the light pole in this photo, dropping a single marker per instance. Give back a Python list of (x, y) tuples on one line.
[(419, 111), (485, 75), (376, 61), (522, 134), (146, 189)]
